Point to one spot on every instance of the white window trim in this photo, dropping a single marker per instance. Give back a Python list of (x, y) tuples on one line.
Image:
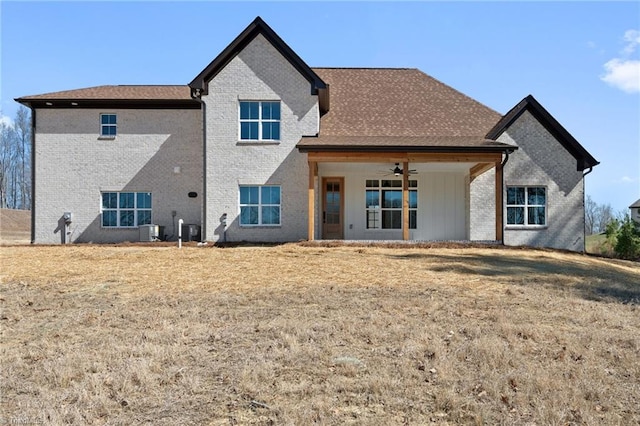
[(259, 205), (103, 136), (526, 225), (259, 120), (380, 209), (118, 208)]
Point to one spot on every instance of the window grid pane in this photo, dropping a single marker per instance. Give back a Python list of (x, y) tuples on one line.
[(388, 214), (144, 217), (109, 200), (108, 124), (126, 200), (126, 217), (259, 120), (126, 209), (110, 218), (249, 215), (373, 219), (372, 199), (515, 215), (260, 205), (392, 199), (526, 206), (249, 130), (535, 216), (391, 219)]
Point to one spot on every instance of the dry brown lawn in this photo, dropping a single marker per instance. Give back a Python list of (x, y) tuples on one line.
[(15, 226), (299, 335)]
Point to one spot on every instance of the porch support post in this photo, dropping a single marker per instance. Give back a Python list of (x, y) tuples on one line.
[(499, 203), (405, 200), (313, 171)]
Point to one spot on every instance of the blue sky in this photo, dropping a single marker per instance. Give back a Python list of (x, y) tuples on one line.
[(580, 60)]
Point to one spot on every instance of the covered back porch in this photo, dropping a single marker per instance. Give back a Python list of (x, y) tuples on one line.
[(399, 195)]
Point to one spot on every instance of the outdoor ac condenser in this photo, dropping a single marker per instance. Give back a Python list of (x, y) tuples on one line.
[(149, 232), (190, 232)]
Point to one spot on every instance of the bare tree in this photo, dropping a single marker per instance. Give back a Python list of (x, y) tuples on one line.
[(22, 129), (6, 154), (590, 213), (15, 162), (596, 216), (604, 215)]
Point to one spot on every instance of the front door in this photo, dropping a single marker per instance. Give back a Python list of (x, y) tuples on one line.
[(332, 208)]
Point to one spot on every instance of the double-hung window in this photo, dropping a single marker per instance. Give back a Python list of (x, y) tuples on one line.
[(259, 120), (126, 209), (108, 125), (260, 205), (527, 206), (383, 202)]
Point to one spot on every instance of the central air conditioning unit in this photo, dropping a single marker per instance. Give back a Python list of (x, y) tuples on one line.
[(190, 232), (149, 233)]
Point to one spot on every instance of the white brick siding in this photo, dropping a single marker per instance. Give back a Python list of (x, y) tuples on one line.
[(259, 72), (542, 161), (73, 166), (483, 207)]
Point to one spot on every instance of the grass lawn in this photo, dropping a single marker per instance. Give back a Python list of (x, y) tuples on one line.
[(300, 335), (597, 244)]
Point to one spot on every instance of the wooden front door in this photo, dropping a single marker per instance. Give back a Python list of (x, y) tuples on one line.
[(332, 208)]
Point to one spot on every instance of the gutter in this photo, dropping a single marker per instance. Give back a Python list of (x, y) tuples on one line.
[(196, 94), (502, 164)]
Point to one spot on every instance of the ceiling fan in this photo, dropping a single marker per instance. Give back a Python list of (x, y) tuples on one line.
[(397, 171)]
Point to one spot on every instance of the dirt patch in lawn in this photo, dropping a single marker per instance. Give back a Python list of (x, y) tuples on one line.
[(297, 334)]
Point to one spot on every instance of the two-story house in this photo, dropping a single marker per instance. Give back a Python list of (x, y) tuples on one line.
[(261, 147)]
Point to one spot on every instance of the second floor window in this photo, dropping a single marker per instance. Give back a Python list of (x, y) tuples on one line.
[(260, 120), (108, 124)]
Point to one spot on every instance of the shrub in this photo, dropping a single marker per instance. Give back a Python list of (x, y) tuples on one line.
[(628, 239)]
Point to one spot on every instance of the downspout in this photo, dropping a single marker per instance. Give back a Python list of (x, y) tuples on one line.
[(197, 95), (33, 175), (504, 161), (584, 222)]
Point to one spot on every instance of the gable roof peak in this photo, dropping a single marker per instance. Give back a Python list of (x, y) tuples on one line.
[(257, 26), (530, 104)]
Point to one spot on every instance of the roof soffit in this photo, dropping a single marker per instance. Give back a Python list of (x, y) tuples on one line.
[(258, 26)]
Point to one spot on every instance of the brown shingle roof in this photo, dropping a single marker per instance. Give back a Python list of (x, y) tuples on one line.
[(399, 102), (118, 93)]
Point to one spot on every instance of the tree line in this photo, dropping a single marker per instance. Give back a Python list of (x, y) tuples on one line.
[(15, 161), (598, 216)]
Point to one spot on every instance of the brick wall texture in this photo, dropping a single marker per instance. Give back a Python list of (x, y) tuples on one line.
[(258, 73), (539, 161), (74, 165)]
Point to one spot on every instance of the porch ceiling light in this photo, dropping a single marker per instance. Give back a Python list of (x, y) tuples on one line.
[(397, 171)]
